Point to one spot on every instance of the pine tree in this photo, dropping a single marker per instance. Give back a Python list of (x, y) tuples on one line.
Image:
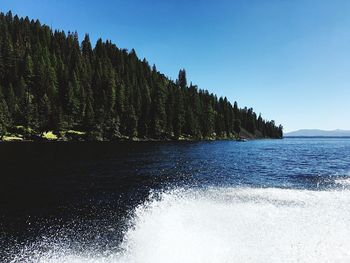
[(11, 101), (110, 91), (73, 106), (208, 120), (179, 116), (44, 114), (86, 49), (131, 123), (143, 125), (88, 122), (182, 80), (4, 116), (237, 126), (158, 114), (236, 110)]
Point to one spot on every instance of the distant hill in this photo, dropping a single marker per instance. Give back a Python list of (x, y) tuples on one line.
[(318, 133)]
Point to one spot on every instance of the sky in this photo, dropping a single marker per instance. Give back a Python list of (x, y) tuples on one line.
[(288, 59)]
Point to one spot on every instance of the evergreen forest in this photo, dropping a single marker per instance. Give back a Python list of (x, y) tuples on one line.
[(50, 81)]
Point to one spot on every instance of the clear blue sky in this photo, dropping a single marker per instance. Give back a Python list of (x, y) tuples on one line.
[(288, 59)]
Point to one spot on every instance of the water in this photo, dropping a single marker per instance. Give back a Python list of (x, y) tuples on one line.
[(260, 201)]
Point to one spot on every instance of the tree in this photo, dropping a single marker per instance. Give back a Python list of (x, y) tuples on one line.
[(250, 123), (182, 80), (88, 122), (179, 116), (110, 91), (28, 70), (280, 131), (236, 110), (208, 121), (86, 48), (11, 101), (143, 125), (131, 123), (44, 114), (4, 116), (237, 126), (158, 114)]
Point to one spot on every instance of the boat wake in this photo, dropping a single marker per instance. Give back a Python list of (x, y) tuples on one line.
[(226, 225)]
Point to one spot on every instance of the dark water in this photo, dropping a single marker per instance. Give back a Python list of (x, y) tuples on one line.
[(140, 202)]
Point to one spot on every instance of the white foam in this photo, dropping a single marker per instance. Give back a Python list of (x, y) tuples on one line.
[(344, 182), (234, 225)]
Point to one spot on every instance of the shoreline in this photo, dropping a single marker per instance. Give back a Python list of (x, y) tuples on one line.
[(22, 134), (11, 139), (42, 139)]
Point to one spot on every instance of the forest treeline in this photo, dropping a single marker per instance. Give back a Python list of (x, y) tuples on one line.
[(49, 81)]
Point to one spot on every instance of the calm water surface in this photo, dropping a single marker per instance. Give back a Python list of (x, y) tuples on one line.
[(259, 201)]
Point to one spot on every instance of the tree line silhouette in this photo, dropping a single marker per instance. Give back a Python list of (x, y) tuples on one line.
[(49, 81)]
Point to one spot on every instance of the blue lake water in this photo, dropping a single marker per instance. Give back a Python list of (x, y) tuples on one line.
[(223, 201)]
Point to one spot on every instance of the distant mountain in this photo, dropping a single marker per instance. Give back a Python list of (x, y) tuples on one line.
[(318, 133)]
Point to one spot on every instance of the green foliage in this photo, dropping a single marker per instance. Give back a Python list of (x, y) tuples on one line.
[(4, 116), (237, 126), (182, 80), (51, 82)]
